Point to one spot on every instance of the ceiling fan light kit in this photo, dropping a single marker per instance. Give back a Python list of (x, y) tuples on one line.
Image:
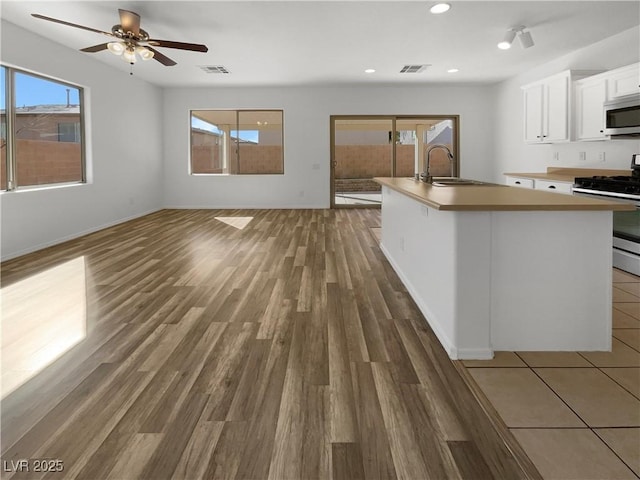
[(117, 48), (525, 38), (131, 40), (144, 53)]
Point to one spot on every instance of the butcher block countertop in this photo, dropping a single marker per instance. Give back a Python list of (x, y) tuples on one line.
[(564, 174), (493, 197)]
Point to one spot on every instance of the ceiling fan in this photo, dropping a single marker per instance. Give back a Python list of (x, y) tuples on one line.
[(131, 39)]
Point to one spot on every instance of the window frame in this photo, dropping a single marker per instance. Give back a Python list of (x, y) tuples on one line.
[(12, 180), (236, 158)]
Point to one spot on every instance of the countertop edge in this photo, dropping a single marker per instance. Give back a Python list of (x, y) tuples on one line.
[(562, 202), (566, 174)]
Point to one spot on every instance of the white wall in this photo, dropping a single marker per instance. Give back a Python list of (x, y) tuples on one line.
[(513, 155), (124, 129), (305, 183)]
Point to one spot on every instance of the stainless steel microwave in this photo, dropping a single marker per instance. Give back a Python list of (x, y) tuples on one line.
[(622, 116)]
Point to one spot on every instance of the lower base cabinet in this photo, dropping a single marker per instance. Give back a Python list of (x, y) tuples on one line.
[(537, 184)]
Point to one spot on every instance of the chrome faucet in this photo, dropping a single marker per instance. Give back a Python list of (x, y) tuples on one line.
[(425, 175)]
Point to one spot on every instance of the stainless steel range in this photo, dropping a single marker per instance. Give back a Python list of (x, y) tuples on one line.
[(626, 225)]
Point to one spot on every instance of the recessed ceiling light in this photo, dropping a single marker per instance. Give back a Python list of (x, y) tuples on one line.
[(453, 70), (369, 70), (440, 8)]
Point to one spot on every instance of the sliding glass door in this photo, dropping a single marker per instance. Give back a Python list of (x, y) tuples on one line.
[(364, 147), (416, 138)]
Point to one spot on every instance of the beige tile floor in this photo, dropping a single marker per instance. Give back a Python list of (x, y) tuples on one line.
[(576, 414)]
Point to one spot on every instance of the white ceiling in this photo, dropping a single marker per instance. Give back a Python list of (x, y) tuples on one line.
[(333, 42)]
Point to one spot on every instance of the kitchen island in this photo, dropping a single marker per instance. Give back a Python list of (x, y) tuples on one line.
[(497, 268)]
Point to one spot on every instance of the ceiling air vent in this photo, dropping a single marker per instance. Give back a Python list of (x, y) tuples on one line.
[(214, 69), (413, 68)]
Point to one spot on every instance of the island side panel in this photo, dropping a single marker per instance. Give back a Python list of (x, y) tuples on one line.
[(551, 280), (473, 238), (431, 251)]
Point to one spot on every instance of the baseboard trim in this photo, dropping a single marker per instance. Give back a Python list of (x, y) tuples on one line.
[(246, 207), (73, 236)]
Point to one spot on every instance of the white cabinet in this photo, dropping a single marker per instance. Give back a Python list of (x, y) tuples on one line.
[(546, 109), (590, 94), (519, 182), (553, 186), (623, 81), (538, 184), (533, 112)]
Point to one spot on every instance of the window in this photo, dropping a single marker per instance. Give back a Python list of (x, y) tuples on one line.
[(237, 142), (42, 134), (69, 132)]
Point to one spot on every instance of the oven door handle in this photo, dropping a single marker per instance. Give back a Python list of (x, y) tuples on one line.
[(613, 196)]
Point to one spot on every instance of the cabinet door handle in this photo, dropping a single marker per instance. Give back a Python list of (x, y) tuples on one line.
[(601, 131), (552, 187), (517, 183), (538, 136)]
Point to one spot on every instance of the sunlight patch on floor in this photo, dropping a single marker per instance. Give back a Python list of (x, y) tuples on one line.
[(43, 316), (237, 222)]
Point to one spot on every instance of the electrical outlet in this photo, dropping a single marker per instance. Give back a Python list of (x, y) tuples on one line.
[(402, 244), (556, 155), (602, 157), (424, 210), (582, 156)]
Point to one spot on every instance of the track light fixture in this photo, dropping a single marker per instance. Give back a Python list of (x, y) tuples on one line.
[(525, 38)]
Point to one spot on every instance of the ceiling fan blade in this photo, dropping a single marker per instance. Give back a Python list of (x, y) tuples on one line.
[(69, 24), (166, 61), (95, 48), (195, 47), (129, 21)]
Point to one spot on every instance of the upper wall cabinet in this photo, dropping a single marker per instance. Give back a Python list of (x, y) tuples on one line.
[(623, 81), (547, 109), (592, 92)]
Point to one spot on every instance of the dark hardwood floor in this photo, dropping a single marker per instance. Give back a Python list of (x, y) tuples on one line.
[(247, 344)]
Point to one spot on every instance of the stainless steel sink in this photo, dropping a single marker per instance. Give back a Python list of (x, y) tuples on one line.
[(453, 181)]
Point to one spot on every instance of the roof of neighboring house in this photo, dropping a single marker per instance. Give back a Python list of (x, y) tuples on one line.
[(46, 109)]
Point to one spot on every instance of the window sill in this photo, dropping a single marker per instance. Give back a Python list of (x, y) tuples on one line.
[(35, 188)]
